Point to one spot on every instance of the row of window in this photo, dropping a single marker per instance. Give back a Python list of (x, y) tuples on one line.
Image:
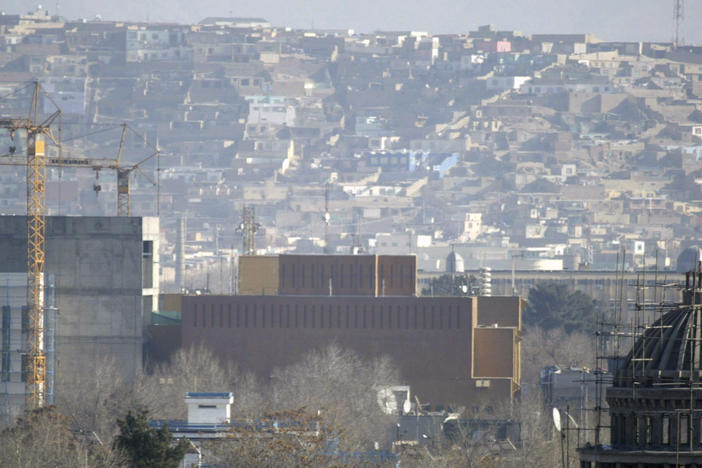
[(7, 317), (351, 276), (304, 316), (6, 367), (663, 428)]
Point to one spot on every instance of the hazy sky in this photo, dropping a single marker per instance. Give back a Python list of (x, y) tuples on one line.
[(647, 20)]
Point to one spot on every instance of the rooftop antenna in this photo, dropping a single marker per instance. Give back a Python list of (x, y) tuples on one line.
[(326, 217), (248, 228), (678, 18)]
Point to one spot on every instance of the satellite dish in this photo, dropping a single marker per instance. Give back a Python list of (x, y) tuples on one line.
[(557, 419), (406, 406)]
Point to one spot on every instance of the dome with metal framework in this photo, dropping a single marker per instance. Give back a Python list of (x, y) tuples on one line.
[(668, 351)]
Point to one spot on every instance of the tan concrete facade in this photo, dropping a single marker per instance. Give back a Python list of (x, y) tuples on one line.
[(258, 275)]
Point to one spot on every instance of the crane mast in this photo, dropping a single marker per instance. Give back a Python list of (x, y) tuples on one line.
[(36, 162), (35, 358)]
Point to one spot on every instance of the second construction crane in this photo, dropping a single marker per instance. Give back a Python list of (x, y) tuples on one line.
[(36, 161)]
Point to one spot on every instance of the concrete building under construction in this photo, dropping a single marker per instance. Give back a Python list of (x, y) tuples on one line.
[(106, 278)]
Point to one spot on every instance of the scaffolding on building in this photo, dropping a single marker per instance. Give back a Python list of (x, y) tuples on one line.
[(623, 327)]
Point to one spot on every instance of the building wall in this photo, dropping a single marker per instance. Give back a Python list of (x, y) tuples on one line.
[(430, 339), (350, 275), (258, 275), (397, 275), (336, 275), (105, 285)]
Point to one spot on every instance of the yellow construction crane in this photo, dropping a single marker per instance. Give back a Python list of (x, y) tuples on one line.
[(36, 229), (123, 172), (36, 162)]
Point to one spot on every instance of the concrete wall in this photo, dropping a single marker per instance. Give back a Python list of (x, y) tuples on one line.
[(258, 275), (430, 338), (101, 292)]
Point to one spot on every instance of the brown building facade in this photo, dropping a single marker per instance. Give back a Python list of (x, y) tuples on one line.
[(450, 350), (328, 275)]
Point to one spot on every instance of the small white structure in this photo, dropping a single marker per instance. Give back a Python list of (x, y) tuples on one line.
[(394, 399), (209, 408)]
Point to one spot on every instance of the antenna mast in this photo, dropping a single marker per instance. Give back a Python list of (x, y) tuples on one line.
[(678, 18), (248, 227), (326, 217)]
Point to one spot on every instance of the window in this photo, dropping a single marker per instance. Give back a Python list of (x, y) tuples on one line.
[(684, 429), (648, 431), (212, 316), (665, 439), (229, 315), (381, 316), (25, 318), (195, 315), (221, 316), (246, 316), (147, 264), (238, 316), (24, 368)]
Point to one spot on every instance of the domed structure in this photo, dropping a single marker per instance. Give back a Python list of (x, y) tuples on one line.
[(688, 258), (455, 263), (655, 401)]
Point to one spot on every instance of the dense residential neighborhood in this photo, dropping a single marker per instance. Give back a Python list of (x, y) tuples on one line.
[(548, 152)]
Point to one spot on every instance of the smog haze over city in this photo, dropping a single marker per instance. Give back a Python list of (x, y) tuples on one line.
[(350, 233), (619, 20)]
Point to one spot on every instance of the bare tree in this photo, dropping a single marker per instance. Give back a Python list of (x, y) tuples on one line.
[(94, 399), (343, 387), (190, 370), (282, 439), (542, 348), (45, 438)]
